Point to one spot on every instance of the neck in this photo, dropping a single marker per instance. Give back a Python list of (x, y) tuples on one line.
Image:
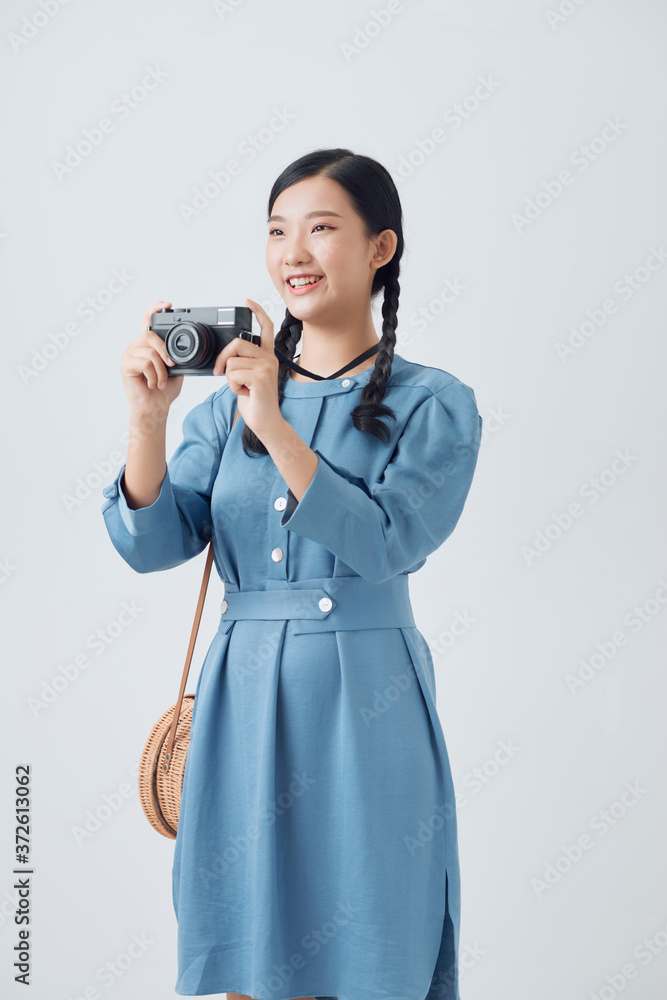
[(325, 351)]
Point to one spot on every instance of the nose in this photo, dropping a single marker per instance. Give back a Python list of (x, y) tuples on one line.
[(295, 252)]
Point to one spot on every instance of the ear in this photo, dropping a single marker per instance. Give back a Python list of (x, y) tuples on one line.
[(385, 248)]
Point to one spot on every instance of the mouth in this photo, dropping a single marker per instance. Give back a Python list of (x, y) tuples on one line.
[(305, 288)]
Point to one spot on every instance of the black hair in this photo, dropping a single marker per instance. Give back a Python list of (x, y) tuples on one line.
[(375, 198)]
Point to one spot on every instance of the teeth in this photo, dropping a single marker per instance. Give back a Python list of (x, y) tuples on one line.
[(296, 282)]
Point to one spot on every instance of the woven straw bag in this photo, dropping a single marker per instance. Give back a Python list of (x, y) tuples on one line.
[(162, 764)]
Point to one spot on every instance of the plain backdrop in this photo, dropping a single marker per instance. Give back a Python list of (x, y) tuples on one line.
[(527, 142)]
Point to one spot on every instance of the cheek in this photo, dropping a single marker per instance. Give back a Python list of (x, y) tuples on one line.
[(333, 256), (273, 265)]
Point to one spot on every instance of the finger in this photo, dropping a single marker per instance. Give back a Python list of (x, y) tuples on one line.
[(156, 307), (236, 348), (156, 341), (150, 365), (149, 372), (266, 336), (239, 380)]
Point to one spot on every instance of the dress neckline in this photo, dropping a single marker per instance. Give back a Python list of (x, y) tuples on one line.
[(331, 386), (346, 375)]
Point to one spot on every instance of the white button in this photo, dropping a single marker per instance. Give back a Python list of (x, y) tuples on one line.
[(326, 604), (277, 555), (223, 607), (345, 383), (280, 503)]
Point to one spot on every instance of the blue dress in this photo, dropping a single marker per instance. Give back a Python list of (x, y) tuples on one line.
[(317, 841)]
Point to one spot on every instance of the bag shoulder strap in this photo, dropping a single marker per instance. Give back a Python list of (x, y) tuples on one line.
[(191, 647)]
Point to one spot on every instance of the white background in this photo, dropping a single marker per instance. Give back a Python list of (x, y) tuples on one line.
[(555, 423)]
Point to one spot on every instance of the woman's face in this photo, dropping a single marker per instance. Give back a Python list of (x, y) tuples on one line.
[(319, 233)]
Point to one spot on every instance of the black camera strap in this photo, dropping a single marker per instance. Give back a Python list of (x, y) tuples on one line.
[(341, 371)]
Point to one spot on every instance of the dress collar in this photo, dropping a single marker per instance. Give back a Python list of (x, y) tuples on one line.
[(329, 386)]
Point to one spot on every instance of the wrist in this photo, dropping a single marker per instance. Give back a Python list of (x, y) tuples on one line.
[(276, 434), (149, 418), (147, 426)]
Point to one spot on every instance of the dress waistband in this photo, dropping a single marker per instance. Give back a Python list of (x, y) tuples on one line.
[(325, 604)]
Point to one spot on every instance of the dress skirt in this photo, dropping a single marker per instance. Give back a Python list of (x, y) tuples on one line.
[(317, 841)]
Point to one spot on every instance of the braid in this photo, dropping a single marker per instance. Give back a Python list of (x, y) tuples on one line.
[(286, 341), (366, 414)]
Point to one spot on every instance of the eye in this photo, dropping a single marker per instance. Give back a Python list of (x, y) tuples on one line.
[(320, 225)]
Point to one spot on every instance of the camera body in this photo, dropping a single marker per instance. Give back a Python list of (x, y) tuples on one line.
[(194, 337)]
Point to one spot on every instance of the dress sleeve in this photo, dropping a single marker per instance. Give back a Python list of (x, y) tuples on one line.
[(178, 525), (384, 528)]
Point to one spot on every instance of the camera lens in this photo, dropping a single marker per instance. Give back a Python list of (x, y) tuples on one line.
[(189, 344)]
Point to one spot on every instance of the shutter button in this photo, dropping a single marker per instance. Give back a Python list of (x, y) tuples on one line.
[(326, 604)]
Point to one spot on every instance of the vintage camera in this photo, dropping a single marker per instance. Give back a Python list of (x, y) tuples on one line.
[(195, 337)]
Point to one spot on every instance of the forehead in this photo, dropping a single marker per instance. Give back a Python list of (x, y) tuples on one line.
[(313, 194)]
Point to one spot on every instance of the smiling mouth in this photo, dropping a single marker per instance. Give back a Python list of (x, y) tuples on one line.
[(306, 286)]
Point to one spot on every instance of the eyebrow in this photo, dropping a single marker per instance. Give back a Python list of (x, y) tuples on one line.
[(310, 215)]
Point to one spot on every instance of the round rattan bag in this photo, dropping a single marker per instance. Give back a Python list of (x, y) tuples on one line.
[(162, 764), (160, 787)]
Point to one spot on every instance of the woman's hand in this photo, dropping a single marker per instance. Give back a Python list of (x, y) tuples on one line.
[(144, 370), (252, 373)]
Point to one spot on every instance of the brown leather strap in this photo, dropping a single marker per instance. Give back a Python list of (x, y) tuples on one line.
[(191, 647)]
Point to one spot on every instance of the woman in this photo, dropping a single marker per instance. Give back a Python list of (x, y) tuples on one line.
[(317, 844)]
